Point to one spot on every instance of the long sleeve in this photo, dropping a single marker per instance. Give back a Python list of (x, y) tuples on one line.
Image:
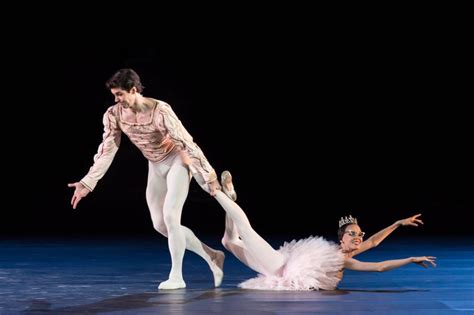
[(180, 136), (106, 152)]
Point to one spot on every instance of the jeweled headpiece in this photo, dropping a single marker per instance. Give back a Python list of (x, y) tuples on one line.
[(347, 220)]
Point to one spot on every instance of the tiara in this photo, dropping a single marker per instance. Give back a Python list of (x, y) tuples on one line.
[(347, 220)]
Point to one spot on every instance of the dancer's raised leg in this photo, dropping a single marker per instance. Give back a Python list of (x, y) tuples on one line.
[(244, 242)]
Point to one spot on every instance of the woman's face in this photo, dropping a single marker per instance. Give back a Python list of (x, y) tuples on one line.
[(352, 238)]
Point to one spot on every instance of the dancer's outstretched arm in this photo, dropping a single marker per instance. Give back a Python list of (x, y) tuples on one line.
[(354, 264), (378, 237)]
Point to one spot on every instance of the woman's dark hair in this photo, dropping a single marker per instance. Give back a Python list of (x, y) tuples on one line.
[(125, 79), (342, 230), (344, 222)]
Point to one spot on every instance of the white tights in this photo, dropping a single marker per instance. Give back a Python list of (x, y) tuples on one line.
[(167, 190), (242, 240)]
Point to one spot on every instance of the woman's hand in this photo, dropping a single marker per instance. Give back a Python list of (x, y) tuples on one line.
[(422, 261), (414, 221)]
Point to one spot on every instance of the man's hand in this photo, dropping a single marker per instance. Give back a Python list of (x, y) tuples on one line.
[(80, 191), (214, 187)]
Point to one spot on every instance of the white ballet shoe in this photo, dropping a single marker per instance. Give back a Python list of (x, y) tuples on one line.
[(172, 284), (217, 268), (227, 186)]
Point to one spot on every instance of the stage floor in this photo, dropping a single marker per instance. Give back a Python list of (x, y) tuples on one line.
[(120, 276)]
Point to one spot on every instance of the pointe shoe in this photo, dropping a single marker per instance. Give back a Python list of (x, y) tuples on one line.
[(227, 186), (217, 268)]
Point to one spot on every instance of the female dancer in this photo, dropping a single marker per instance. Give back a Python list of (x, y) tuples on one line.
[(308, 264)]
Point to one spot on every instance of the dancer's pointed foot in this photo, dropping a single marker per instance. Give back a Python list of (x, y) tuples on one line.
[(172, 284), (218, 267), (227, 186)]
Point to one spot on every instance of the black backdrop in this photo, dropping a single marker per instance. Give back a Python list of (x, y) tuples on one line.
[(310, 130)]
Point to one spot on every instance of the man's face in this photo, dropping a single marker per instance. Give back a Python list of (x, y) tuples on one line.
[(123, 97)]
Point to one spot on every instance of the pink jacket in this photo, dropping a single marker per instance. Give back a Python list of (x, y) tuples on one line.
[(157, 138)]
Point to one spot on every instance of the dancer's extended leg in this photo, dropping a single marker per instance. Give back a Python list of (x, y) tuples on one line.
[(245, 243)]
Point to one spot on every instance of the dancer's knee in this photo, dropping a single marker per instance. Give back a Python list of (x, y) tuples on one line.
[(172, 220), (160, 227), (227, 242)]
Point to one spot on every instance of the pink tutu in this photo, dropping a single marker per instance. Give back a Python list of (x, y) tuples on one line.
[(311, 264)]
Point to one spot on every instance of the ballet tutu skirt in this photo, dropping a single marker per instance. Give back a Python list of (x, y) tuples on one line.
[(311, 264)]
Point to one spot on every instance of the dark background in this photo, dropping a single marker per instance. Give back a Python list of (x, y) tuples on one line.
[(312, 126)]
